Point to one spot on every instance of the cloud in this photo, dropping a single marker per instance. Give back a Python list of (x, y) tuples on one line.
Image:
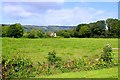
[(36, 7), (16, 11), (51, 13), (72, 16)]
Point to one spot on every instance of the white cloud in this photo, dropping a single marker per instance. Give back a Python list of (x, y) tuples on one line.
[(72, 16), (62, 16), (16, 11)]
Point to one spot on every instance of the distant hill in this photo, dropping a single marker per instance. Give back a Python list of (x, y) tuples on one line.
[(48, 28), (52, 28)]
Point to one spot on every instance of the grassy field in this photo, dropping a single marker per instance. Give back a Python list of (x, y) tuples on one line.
[(37, 49), (104, 73)]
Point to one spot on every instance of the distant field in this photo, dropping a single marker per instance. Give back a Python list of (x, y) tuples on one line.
[(104, 73), (37, 49)]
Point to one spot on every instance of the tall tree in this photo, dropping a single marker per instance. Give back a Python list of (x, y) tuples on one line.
[(98, 28), (113, 27), (15, 30)]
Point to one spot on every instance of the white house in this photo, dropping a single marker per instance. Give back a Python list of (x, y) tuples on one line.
[(53, 34)]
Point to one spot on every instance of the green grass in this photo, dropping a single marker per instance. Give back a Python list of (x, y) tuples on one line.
[(104, 73), (37, 49)]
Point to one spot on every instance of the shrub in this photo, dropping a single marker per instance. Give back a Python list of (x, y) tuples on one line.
[(107, 54), (17, 67), (80, 63), (53, 60)]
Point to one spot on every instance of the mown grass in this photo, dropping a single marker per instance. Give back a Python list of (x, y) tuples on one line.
[(104, 73), (37, 49)]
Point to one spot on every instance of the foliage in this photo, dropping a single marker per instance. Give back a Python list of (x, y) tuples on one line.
[(17, 67), (15, 30), (113, 27), (84, 31), (99, 29), (52, 58), (73, 65), (4, 31), (65, 33), (35, 33), (107, 55), (95, 30)]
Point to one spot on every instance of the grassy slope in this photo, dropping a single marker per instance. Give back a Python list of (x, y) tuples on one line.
[(37, 49), (104, 73)]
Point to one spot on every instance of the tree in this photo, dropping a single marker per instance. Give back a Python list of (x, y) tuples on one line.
[(81, 30), (113, 27), (39, 33), (101, 27), (84, 31), (31, 34), (35, 33), (97, 28), (4, 30), (15, 30), (64, 33)]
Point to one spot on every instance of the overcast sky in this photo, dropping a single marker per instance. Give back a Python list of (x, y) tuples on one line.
[(57, 13)]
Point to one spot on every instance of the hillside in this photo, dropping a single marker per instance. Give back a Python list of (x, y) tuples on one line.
[(45, 28)]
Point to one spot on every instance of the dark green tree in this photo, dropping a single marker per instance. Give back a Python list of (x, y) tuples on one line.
[(98, 28), (15, 30), (81, 30), (113, 27)]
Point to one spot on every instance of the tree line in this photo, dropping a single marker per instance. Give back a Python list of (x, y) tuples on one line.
[(103, 29), (109, 28)]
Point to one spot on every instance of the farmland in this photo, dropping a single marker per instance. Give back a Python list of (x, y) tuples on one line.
[(37, 49)]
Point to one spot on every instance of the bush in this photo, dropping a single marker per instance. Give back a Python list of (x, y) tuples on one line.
[(53, 60), (80, 63), (107, 55), (17, 67)]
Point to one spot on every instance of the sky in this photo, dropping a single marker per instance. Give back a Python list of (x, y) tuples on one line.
[(57, 13)]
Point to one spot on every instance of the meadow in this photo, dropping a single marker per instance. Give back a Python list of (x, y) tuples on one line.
[(37, 49)]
